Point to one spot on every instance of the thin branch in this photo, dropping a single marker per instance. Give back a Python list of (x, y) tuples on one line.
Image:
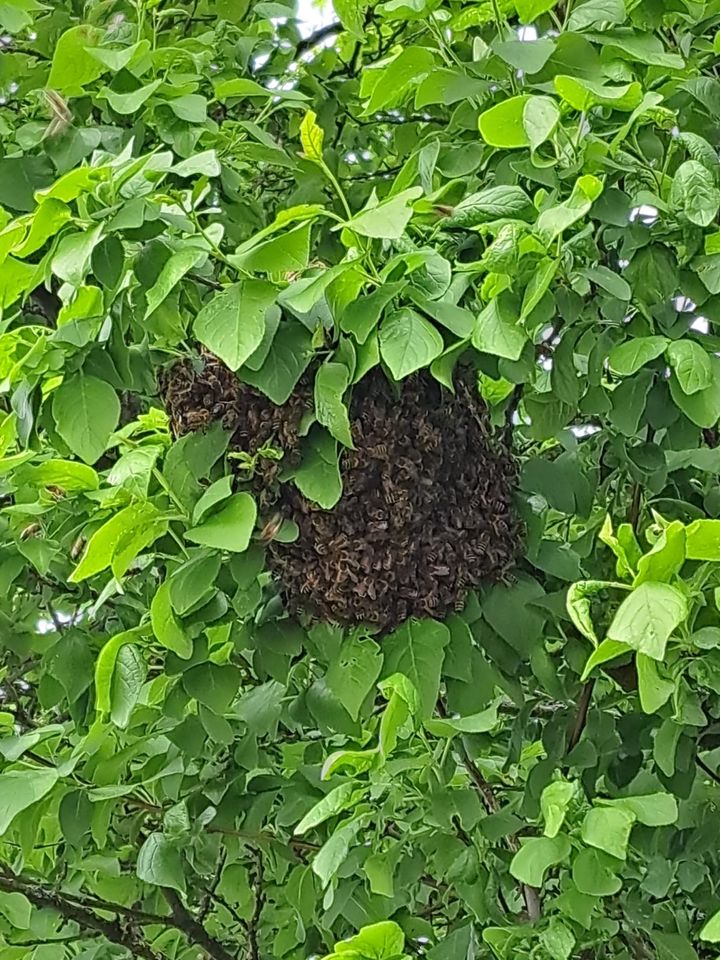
[(194, 931), (254, 923), (307, 43), (123, 935), (581, 717)]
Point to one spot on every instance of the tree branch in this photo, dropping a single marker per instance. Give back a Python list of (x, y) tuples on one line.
[(124, 935), (195, 932), (581, 717), (307, 43), (254, 923)]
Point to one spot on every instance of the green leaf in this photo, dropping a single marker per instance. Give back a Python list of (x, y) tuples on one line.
[(215, 685), (311, 137), (73, 66), (694, 193), (230, 528), (128, 103), (331, 382), (408, 342), (536, 856), (127, 683), (608, 650), (416, 650), (608, 829), (702, 407), (711, 930), (341, 798), (653, 810), (627, 358), (86, 412), (105, 668), (503, 125), (175, 268), (284, 364), (541, 116), (391, 81), (20, 789), (232, 324), (691, 364), (583, 94), (118, 541), (361, 316), (647, 618), (352, 15), (593, 874), (379, 941), (166, 626), (387, 219), (160, 863), (318, 476), (529, 10), (352, 673), (555, 220), (703, 540), (595, 12), (476, 723), (554, 803), (334, 851), (539, 285), (490, 204), (498, 332)]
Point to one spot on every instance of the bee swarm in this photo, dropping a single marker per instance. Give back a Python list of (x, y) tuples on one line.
[(427, 507)]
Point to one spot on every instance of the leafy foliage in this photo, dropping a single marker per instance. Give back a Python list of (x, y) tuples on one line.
[(526, 190)]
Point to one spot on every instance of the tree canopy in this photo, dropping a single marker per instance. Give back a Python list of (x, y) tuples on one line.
[(216, 224)]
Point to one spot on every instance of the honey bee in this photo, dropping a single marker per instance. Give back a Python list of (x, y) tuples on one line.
[(31, 530), (60, 115), (271, 528)]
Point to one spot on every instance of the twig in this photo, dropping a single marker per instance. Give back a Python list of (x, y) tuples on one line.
[(252, 928), (706, 769), (634, 512), (581, 718), (195, 931), (307, 43), (124, 935)]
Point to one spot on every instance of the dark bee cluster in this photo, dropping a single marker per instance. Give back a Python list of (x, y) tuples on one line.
[(427, 507)]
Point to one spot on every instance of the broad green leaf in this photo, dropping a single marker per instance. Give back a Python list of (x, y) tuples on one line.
[(128, 103), (694, 193), (554, 803), (311, 137), (608, 829), (390, 81), (503, 125), (498, 332), (351, 675), (476, 723), (333, 853), (361, 316), (341, 798), (177, 266), (352, 15), (711, 929), (166, 626), (583, 94), (127, 682), (530, 56), (555, 220), (417, 649), (596, 12), (72, 256), (118, 541), (408, 342), (540, 117), (386, 219), (608, 650), (702, 407), (318, 476), (20, 789), (105, 668), (490, 204), (703, 540), (654, 809), (593, 873), (160, 863), (86, 411), (647, 618), (285, 363), (331, 383), (666, 557), (215, 685), (529, 10), (627, 358), (287, 253), (73, 66), (536, 856), (231, 325), (539, 285), (230, 528), (378, 941), (691, 364)]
